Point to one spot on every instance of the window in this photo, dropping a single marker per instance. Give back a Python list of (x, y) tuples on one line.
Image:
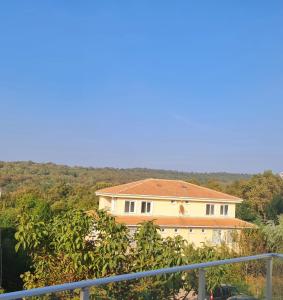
[(224, 210), (191, 230), (145, 207), (186, 202), (162, 229), (176, 229), (129, 206), (202, 230), (209, 209), (173, 201)]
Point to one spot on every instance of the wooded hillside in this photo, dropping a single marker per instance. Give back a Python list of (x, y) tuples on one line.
[(16, 174), (46, 192)]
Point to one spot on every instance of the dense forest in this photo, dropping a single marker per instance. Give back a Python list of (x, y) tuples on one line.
[(40, 201), (15, 174)]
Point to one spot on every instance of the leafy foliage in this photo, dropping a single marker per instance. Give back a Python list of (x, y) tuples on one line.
[(14, 264), (274, 235), (16, 174), (263, 197), (51, 199), (73, 246)]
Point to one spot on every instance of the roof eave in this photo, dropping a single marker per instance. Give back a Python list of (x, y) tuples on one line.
[(200, 199), (196, 226)]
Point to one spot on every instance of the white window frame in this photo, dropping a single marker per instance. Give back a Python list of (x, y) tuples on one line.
[(146, 212), (223, 210), (209, 211), (135, 207)]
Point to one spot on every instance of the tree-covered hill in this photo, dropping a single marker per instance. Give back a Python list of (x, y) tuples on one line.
[(47, 191), (29, 184), (16, 174)]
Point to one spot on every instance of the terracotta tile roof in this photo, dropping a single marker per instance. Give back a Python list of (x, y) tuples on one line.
[(186, 221), (165, 188)]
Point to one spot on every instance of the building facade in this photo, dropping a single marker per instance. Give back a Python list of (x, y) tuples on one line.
[(200, 215)]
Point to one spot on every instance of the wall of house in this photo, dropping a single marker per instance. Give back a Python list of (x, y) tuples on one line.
[(105, 203), (198, 236), (198, 209), (166, 208)]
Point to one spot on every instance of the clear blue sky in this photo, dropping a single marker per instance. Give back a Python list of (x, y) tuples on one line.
[(186, 85)]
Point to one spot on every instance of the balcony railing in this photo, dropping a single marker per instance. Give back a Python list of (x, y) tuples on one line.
[(85, 285)]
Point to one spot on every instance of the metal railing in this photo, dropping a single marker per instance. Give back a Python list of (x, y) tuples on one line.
[(86, 284)]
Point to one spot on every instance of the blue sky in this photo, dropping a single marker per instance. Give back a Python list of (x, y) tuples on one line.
[(184, 85)]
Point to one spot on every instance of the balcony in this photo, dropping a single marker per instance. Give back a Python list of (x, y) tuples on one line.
[(273, 285)]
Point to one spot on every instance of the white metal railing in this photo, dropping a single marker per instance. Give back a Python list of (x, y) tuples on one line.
[(86, 284)]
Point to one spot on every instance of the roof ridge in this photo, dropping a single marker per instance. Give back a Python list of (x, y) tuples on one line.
[(167, 179)]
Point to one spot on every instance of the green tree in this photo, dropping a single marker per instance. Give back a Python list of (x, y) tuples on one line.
[(63, 249), (260, 191), (274, 235), (262, 195), (214, 184), (151, 251), (275, 208), (245, 211), (215, 275), (73, 246)]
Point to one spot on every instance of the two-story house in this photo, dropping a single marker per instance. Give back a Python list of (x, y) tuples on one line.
[(198, 214)]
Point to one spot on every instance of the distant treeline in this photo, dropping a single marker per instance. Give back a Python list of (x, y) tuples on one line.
[(62, 187), (16, 174)]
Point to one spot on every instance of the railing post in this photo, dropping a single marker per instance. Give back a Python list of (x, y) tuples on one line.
[(84, 294), (268, 287), (201, 285)]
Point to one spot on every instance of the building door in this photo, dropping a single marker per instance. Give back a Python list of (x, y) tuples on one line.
[(216, 236)]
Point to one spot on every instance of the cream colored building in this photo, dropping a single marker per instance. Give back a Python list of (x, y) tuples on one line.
[(200, 215)]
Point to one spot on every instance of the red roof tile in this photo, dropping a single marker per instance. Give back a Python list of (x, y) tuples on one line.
[(186, 221), (165, 188)]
